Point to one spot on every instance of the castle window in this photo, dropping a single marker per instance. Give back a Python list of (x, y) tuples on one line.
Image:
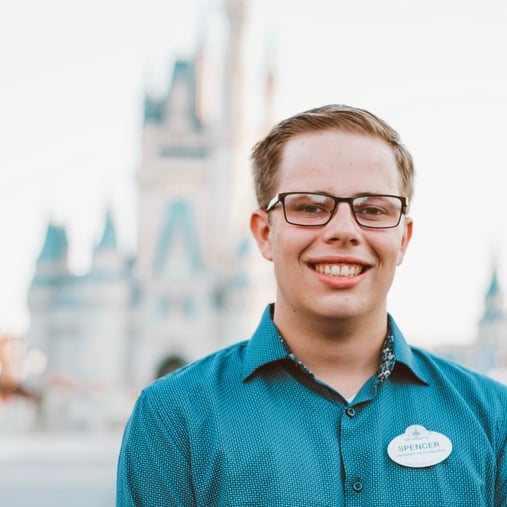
[(188, 307), (162, 308), (183, 151)]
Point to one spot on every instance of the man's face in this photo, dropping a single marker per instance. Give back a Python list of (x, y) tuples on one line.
[(306, 259)]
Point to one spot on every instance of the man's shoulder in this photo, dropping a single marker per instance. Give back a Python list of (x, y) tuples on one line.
[(192, 392), (217, 367), (459, 376)]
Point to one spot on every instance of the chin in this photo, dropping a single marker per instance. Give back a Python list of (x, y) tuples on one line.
[(338, 311)]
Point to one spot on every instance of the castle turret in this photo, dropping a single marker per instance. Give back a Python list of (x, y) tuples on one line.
[(106, 256), (51, 273), (52, 260), (493, 324), (491, 346)]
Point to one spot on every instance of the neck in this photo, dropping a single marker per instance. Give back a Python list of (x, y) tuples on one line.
[(344, 353)]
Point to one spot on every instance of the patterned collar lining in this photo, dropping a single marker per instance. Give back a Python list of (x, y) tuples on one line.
[(387, 358), (386, 364)]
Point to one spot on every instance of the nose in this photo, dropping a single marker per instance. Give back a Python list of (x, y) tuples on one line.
[(343, 225)]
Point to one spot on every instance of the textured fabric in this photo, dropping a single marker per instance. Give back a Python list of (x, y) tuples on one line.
[(247, 426)]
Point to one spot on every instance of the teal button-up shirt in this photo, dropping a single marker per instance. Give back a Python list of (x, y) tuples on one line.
[(247, 426)]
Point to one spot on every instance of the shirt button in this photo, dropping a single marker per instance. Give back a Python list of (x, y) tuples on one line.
[(357, 486), (351, 412)]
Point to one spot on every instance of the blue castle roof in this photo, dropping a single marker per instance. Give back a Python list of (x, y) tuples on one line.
[(494, 286), (178, 221), (494, 307), (154, 109), (108, 240), (55, 244)]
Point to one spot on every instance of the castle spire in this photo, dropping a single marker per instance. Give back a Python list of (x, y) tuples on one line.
[(494, 300), (236, 11), (55, 245), (492, 329), (108, 240)]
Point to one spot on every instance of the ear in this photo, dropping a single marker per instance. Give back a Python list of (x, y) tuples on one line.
[(405, 240), (260, 227)]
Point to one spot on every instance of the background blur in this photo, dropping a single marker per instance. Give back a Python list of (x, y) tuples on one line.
[(125, 131)]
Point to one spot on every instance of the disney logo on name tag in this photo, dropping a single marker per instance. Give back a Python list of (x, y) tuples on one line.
[(419, 448)]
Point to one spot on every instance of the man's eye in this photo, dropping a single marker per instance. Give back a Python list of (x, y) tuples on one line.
[(371, 210), (311, 209)]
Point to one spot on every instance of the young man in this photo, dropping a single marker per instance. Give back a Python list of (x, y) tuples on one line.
[(326, 404)]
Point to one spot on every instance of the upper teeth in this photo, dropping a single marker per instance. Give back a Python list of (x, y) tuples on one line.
[(338, 269)]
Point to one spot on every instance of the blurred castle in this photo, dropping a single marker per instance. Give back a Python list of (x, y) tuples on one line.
[(196, 282), (192, 287)]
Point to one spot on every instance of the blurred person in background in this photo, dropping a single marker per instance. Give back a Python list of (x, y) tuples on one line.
[(168, 365), (326, 404)]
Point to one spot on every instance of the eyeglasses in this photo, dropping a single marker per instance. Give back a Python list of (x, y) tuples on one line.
[(314, 209)]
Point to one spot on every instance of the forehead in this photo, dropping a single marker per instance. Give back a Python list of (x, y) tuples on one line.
[(338, 161)]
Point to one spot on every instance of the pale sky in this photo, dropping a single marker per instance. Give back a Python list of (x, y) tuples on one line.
[(74, 73)]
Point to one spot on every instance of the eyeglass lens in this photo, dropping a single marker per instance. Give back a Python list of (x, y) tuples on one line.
[(375, 211)]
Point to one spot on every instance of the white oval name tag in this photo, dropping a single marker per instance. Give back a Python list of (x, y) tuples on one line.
[(419, 448)]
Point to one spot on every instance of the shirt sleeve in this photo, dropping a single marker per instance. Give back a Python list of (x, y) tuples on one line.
[(152, 468), (501, 475)]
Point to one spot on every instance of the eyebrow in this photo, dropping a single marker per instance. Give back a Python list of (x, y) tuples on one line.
[(358, 194)]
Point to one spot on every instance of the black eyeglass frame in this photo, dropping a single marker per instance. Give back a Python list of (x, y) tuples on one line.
[(280, 199)]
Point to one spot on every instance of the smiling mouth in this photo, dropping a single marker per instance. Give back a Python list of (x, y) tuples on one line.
[(345, 270)]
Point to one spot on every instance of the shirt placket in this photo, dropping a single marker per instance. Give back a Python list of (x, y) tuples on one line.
[(355, 480), (352, 442)]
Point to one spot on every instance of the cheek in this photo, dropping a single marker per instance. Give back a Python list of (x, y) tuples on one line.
[(283, 252), (402, 248), (389, 250), (400, 253), (289, 243)]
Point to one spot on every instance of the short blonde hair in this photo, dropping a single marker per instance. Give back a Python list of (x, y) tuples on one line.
[(267, 153)]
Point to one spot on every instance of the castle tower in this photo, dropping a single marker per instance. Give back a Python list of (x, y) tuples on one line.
[(51, 272), (185, 262), (231, 152), (491, 346), (104, 350), (190, 289), (175, 148), (493, 324), (81, 323), (232, 117), (175, 212)]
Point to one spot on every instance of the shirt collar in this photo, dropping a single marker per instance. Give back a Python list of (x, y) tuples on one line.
[(405, 355), (266, 346)]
